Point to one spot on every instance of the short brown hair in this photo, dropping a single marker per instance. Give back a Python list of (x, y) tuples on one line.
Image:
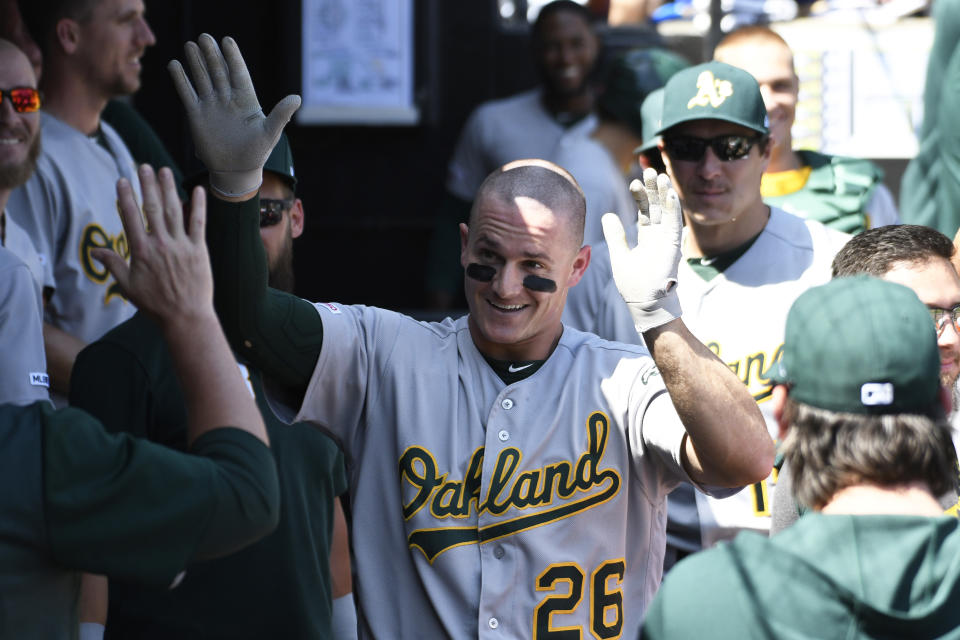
[(749, 34), (875, 251), (828, 451), (541, 180)]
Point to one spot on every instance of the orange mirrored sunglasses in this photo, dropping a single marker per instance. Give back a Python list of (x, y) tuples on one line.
[(23, 99)]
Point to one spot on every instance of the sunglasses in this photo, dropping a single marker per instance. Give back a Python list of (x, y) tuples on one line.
[(271, 211), (940, 317), (23, 99), (691, 148)]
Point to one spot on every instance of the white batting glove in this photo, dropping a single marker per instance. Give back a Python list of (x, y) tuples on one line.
[(232, 136), (646, 275)]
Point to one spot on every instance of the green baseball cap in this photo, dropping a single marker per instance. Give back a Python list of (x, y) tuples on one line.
[(630, 79), (281, 161), (650, 112), (861, 345), (714, 91)]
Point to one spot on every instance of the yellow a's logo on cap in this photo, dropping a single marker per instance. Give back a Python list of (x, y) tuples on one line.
[(710, 91)]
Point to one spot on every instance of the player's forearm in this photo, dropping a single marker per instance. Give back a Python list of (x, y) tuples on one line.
[(728, 441), (93, 601), (280, 333), (61, 349), (215, 393)]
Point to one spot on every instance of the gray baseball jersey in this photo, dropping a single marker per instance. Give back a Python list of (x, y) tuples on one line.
[(503, 130), (489, 510), (18, 242), (23, 376), (740, 315), (69, 206)]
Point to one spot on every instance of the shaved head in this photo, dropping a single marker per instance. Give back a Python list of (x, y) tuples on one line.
[(539, 180)]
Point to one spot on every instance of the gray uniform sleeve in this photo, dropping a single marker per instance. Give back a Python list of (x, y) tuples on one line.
[(23, 377), (138, 511)]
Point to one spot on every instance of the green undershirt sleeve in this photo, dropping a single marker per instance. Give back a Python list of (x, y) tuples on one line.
[(279, 333)]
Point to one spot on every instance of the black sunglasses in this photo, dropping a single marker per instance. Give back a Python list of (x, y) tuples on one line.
[(271, 211), (23, 99), (691, 148)]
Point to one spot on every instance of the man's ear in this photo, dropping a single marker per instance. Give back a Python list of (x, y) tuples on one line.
[(580, 264), (464, 236), (296, 218), (778, 397), (68, 35)]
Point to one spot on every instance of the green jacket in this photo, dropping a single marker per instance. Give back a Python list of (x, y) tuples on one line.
[(836, 193), (76, 498), (827, 577)]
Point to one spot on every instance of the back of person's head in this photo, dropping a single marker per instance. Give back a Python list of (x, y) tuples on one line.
[(862, 365), (553, 8), (540, 180), (630, 78), (41, 17), (876, 251), (745, 37)]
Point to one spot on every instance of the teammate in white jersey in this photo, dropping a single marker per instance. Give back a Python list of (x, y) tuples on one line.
[(508, 476), (744, 265), (544, 122)]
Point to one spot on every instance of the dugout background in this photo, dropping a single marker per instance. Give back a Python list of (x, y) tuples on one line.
[(370, 193)]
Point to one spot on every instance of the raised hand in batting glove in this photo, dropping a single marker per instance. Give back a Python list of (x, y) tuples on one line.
[(646, 275), (232, 136)]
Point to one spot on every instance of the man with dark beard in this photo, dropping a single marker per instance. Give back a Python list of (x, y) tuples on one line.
[(281, 215), (126, 380)]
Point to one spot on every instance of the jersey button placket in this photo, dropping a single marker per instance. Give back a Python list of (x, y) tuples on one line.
[(493, 623)]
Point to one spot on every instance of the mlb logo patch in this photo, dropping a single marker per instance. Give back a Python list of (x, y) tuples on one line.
[(874, 394), (39, 379), (329, 306)]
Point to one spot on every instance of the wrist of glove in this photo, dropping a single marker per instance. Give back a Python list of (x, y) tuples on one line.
[(233, 184), (651, 314)]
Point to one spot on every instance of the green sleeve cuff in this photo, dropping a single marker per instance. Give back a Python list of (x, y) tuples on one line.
[(279, 333)]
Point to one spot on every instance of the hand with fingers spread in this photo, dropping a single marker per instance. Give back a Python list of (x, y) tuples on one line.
[(169, 272), (646, 275), (230, 132)]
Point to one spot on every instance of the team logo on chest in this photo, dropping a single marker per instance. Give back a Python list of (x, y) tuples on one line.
[(560, 490), (94, 237)]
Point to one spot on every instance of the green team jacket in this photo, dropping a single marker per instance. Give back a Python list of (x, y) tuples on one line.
[(277, 588), (76, 498), (930, 187), (827, 577), (836, 193)]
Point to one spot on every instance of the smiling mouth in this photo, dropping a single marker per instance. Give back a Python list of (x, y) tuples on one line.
[(507, 308)]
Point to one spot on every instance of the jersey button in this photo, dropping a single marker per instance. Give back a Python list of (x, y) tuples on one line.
[(493, 623), (504, 435), (507, 404), (498, 552)]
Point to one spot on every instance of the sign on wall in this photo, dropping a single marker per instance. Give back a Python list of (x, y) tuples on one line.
[(358, 62)]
